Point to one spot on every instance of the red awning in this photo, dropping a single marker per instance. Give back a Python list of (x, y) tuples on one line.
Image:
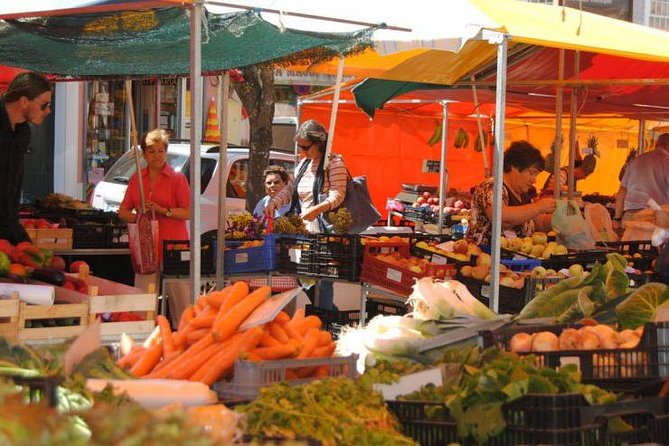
[(7, 74)]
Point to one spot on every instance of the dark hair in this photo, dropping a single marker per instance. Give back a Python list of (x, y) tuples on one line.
[(315, 132), (578, 163), (28, 84), (522, 155), (662, 140), (276, 170)]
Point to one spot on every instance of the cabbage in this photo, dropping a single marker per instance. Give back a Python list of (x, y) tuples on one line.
[(640, 307), (443, 300)]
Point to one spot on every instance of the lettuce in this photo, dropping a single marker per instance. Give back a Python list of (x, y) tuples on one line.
[(640, 306)]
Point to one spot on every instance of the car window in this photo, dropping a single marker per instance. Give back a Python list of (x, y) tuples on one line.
[(288, 165), (207, 167), (124, 168)]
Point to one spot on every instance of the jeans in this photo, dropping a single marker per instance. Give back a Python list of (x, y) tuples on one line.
[(325, 294)]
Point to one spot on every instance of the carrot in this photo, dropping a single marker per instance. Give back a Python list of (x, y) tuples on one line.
[(324, 352), (252, 356), (225, 359), (228, 325), (167, 359), (153, 337), (186, 316), (290, 374), (303, 326), (278, 332), (131, 358), (298, 315), (276, 352), (185, 370), (321, 372), (215, 298), (282, 317), (193, 350), (181, 337), (204, 320), (310, 343), (326, 338), (148, 360), (196, 335), (267, 340), (166, 334), (293, 333), (238, 291)]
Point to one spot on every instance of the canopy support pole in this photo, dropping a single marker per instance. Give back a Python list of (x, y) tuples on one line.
[(498, 172), (443, 171), (298, 112), (484, 147), (224, 106), (641, 140), (573, 102), (195, 139), (333, 114), (557, 145), (157, 92)]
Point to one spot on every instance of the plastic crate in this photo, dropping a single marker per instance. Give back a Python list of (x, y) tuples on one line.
[(88, 234), (639, 253), (251, 376), (117, 235), (424, 215), (521, 264), (318, 255), (333, 320), (277, 441), (397, 277), (385, 307), (40, 389), (557, 262), (279, 284), (532, 419), (251, 259), (619, 370), (511, 300), (176, 257)]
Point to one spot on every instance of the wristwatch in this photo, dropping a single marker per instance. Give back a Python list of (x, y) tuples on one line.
[(168, 213), (617, 218)]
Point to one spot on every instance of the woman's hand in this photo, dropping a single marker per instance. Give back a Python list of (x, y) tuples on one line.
[(269, 210), (309, 214), (546, 205), (153, 206)]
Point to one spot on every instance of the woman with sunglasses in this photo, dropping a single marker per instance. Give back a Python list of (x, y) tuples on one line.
[(276, 179), (316, 190), (27, 101)]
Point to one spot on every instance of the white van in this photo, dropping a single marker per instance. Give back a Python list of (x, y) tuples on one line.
[(109, 192)]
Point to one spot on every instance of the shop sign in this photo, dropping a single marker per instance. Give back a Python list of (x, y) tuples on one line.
[(165, 81)]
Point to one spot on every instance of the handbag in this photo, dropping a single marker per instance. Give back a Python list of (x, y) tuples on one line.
[(358, 203), (144, 245)]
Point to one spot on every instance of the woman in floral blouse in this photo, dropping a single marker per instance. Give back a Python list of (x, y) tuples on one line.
[(522, 163)]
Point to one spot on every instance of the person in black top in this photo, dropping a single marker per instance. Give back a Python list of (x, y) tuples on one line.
[(27, 100)]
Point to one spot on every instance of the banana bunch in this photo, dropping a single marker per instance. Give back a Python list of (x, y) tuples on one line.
[(436, 135), (477, 144), (461, 140)]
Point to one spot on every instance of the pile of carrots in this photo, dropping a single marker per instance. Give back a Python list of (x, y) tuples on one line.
[(208, 341)]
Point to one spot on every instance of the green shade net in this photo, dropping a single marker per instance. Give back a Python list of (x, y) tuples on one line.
[(371, 94), (156, 43)]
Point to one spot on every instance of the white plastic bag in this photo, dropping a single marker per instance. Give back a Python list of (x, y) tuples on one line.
[(572, 228)]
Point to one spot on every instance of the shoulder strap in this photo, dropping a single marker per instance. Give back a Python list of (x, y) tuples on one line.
[(295, 207)]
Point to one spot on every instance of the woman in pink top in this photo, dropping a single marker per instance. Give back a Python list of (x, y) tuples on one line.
[(166, 192)]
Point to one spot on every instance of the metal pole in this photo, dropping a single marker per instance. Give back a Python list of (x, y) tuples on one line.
[(641, 140), (224, 105), (157, 91), (298, 112), (500, 104), (557, 149), (195, 141), (573, 102), (443, 171), (484, 147), (333, 114)]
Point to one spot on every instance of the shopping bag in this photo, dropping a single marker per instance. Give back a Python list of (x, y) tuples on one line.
[(573, 231), (599, 220), (144, 245), (359, 204)]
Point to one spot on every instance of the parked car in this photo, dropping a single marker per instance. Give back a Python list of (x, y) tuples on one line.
[(109, 192)]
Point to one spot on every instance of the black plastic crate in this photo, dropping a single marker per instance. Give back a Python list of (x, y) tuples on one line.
[(385, 307), (176, 257), (117, 235), (39, 388), (333, 320), (277, 441), (511, 300), (87, 234), (619, 370), (639, 253), (319, 255)]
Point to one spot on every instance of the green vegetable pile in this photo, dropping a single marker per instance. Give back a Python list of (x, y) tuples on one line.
[(336, 411), (603, 295), (475, 400)]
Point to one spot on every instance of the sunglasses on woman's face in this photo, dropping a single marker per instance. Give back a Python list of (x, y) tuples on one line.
[(45, 105), (306, 147), (271, 182)]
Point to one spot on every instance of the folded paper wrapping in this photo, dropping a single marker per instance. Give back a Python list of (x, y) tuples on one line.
[(156, 393), (31, 294)]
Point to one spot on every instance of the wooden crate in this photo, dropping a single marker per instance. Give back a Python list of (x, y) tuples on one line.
[(113, 297), (51, 238), (59, 310), (9, 318)]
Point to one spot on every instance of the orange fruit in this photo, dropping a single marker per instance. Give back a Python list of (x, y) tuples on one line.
[(17, 269)]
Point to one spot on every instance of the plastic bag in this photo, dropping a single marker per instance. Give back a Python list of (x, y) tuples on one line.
[(144, 245), (573, 230), (599, 219)]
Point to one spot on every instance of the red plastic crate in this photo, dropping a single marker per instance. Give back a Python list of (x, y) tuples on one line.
[(397, 277)]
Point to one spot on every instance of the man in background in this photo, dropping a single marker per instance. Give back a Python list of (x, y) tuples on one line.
[(645, 177), (26, 101)]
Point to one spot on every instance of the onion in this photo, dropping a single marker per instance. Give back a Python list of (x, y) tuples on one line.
[(589, 340), (521, 343), (545, 341), (627, 336), (570, 339)]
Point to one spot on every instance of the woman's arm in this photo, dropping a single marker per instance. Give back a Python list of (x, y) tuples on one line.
[(126, 215), (515, 215), (126, 210)]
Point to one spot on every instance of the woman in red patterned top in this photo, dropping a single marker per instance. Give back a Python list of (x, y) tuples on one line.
[(522, 163), (167, 192)]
